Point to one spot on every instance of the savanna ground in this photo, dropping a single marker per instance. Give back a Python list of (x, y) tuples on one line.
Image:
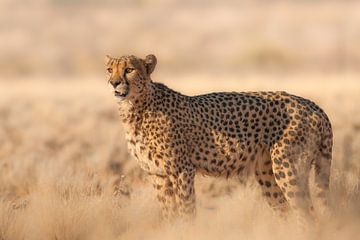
[(64, 168), (66, 174)]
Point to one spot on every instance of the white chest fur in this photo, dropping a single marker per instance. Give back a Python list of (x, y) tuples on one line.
[(140, 151)]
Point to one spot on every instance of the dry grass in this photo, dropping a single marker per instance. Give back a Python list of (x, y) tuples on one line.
[(65, 172)]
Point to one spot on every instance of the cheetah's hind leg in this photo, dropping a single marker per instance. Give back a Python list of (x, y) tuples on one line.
[(291, 169), (265, 177)]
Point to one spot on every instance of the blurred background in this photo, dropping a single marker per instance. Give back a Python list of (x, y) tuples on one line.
[(61, 139), (70, 37)]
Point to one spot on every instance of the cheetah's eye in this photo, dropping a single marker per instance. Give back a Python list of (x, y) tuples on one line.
[(129, 70), (109, 70)]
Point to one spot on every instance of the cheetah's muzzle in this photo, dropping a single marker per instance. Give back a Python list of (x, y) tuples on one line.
[(121, 91)]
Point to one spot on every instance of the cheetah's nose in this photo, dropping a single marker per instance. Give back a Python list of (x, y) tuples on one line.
[(115, 83)]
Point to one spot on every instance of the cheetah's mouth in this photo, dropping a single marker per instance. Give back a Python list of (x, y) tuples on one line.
[(121, 95)]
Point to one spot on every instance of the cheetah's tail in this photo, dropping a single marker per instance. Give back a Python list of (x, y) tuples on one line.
[(323, 167)]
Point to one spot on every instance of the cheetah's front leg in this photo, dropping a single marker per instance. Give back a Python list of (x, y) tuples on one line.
[(176, 194), (185, 192), (165, 195)]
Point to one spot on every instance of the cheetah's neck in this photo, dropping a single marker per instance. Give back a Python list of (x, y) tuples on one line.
[(132, 111)]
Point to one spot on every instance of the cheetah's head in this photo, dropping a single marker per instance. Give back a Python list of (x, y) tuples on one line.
[(129, 76)]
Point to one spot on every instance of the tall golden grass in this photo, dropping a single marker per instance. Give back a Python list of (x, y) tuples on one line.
[(66, 174)]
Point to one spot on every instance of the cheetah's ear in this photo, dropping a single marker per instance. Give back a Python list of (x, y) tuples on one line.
[(150, 63), (107, 59)]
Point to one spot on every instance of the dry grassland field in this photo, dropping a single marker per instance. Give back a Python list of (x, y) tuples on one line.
[(65, 172)]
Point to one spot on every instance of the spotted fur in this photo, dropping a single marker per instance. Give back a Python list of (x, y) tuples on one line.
[(274, 135)]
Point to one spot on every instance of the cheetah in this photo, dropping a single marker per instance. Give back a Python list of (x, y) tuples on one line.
[(275, 136)]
